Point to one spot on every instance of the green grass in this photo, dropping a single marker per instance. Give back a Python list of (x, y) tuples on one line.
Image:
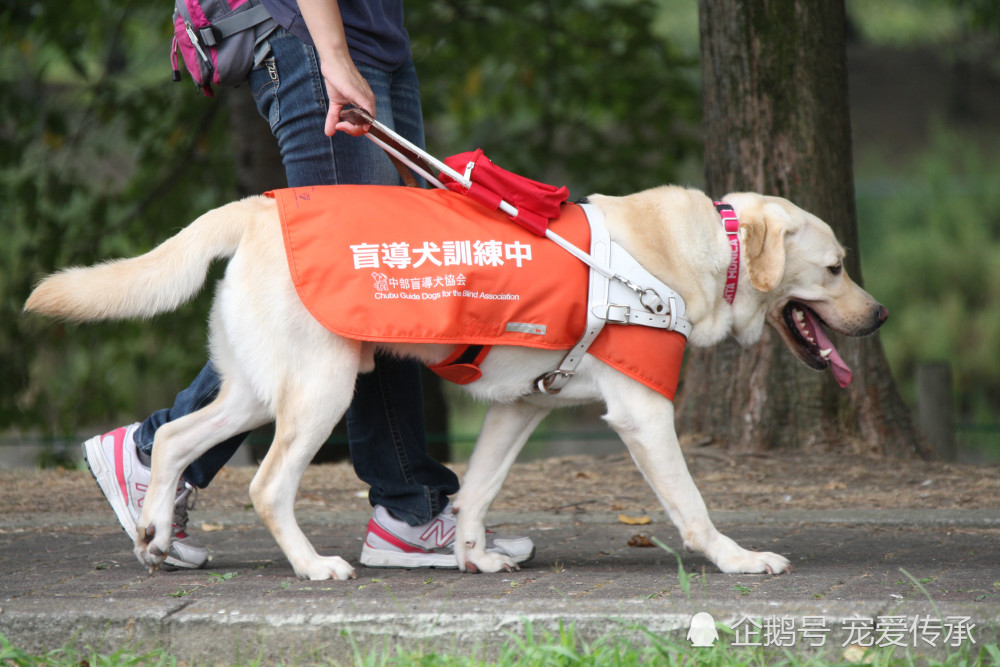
[(542, 649), (71, 657)]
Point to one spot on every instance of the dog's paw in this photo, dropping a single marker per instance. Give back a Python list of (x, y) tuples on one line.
[(150, 551), (731, 558), (487, 562), (472, 556), (754, 562), (329, 567)]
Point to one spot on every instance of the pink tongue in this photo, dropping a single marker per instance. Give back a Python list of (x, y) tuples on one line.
[(841, 372)]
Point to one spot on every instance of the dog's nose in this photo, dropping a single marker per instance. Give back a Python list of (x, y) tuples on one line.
[(883, 314)]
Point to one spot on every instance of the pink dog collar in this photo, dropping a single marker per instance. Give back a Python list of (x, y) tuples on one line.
[(732, 224)]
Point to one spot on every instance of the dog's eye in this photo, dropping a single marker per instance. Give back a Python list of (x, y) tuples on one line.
[(835, 269)]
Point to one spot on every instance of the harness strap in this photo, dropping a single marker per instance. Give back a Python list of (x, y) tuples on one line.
[(242, 18), (600, 251), (612, 297)]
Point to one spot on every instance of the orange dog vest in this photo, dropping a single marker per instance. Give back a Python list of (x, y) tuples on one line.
[(405, 265)]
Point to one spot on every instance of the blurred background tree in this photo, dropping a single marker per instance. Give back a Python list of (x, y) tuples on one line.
[(777, 121)]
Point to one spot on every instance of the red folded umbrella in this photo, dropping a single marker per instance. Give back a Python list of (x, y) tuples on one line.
[(535, 203)]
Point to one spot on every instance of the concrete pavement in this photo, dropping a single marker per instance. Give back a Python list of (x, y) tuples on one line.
[(71, 578)]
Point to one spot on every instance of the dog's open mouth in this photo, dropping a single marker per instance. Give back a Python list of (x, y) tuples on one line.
[(814, 345)]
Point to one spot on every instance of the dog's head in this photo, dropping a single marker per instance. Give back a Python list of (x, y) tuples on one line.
[(794, 260)]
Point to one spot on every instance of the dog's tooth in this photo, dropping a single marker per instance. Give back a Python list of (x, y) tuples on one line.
[(825, 353), (799, 316)]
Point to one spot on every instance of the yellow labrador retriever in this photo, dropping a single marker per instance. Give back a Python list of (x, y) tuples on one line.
[(278, 363)]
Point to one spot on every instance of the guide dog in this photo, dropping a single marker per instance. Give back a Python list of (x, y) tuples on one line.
[(278, 363)]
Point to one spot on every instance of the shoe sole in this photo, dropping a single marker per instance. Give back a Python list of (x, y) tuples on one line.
[(103, 473), (381, 558)]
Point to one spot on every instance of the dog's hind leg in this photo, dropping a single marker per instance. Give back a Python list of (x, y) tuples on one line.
[(505, 430), (645, 421), (307, 413), (235, 410)]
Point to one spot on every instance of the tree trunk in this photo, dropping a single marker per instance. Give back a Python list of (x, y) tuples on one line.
[(777, 122)]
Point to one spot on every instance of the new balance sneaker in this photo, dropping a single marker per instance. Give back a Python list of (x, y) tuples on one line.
[(391, 542), (123, 479)]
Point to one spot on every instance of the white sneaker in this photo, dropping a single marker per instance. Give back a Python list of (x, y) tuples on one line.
[(123, 479), (391, 542)]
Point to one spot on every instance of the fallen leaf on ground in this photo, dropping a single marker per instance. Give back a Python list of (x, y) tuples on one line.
[(634, 520), (640, 540)]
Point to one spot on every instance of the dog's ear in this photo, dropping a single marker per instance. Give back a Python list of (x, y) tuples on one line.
[(762, 231)]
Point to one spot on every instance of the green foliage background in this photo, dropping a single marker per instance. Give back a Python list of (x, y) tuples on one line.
[(99, 157), (577, 92), (932, 254)]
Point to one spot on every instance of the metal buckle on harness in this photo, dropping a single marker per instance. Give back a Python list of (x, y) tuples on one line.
[(544, 382), (648, 297), (652, 302), (615, 314)]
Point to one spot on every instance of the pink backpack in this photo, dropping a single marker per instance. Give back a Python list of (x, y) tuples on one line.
[(220, 40)]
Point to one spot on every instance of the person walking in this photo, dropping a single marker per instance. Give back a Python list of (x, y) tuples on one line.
[(324, 56)]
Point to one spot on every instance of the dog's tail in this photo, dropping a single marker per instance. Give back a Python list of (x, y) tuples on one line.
[(156, 282)]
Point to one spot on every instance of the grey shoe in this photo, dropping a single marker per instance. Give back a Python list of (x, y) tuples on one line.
[(391, 542), (123, 479)]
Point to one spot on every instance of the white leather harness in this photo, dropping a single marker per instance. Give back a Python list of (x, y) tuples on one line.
[(621, 291)]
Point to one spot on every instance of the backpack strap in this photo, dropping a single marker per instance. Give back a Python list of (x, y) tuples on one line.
[(242, 18)]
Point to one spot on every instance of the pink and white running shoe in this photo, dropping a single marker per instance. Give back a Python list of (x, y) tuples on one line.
[(391, 542), (123, 479)]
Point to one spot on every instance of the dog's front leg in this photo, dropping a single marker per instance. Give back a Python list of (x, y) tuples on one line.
[(155, 528), (645, 421), (505, 430), (297, 438), (177, 444)]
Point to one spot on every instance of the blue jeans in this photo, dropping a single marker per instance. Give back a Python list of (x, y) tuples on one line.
[(385, 422)]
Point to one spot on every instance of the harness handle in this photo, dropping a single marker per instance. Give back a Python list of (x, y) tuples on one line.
[(358, 116), (402, 150)]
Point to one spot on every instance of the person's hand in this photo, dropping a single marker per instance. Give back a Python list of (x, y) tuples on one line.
[(344, 83), (345, 86)]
